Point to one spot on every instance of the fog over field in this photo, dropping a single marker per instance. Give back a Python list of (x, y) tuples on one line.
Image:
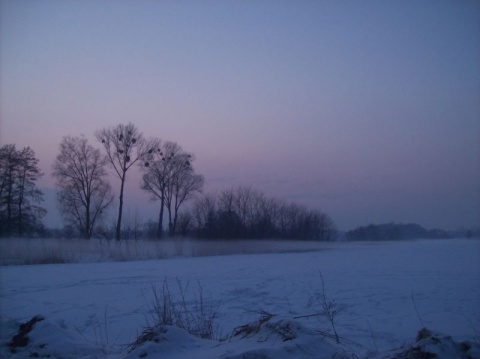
[(15, 251)]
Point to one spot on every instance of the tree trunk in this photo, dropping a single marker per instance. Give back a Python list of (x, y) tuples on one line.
[(9, 202), (170, 224), (20, 206), (88, 232), (120, 209), (20, 221), (174, 226), (160, 219)]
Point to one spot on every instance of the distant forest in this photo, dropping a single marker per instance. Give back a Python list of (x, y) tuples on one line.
[(394, 232)]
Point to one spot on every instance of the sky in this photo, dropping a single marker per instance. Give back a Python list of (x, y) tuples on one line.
[(366, 110)]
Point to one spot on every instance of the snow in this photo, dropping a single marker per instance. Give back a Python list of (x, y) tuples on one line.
[(387, 290)]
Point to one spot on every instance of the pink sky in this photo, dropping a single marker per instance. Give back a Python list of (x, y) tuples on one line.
[(369, 112)]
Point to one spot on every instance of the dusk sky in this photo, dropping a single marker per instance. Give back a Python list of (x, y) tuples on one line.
[(367, 110)]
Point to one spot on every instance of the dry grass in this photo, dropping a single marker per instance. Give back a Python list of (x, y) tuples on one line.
[(190, 312), (254, 327), (21, 251)]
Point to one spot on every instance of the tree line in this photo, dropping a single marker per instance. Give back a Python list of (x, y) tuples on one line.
[(20, 199), (84, 194), (393, 232), (246, 213)]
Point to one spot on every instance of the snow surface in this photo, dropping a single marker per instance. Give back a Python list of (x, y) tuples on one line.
[(95, 309)]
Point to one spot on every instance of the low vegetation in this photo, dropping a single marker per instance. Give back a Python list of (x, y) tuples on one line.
[(197, 317), (192, 313), (20, 251)]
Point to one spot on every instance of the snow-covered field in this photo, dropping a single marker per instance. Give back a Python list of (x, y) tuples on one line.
[(387, 290)]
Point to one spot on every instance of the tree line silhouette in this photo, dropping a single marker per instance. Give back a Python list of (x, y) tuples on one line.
[(246, 213), (84, 194), (394, 232)]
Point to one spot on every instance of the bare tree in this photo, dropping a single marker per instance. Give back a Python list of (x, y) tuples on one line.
[(204, 211), (158, 175), (19, 195), (184, 185), (125, 146), (84, 193), (170, 179)]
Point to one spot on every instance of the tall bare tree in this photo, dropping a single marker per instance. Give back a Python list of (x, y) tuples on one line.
[(171, 180), (157, 176), (84, 192), (183, 186), (125, 146)]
